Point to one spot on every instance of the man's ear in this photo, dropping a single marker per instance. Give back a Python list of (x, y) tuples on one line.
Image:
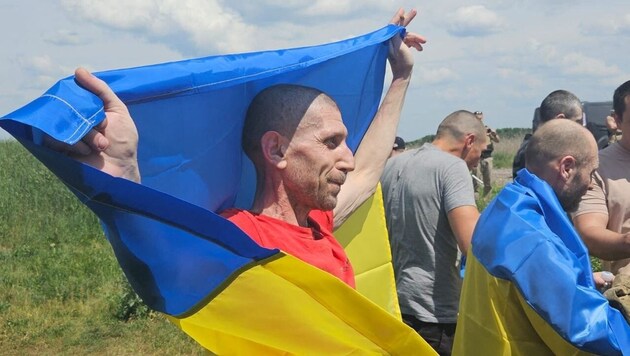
[(568, 167), (560, 116), (469, 141), (274, 146)]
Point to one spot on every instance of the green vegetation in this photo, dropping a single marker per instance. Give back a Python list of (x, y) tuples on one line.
[(62, 291), (504, 151)]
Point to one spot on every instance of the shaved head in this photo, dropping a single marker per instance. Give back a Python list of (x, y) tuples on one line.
[(564, 154), (279, 108), (556, 139), (460, 123)]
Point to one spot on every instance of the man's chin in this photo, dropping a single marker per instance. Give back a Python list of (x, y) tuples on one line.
[(328, 204), (571, 206)]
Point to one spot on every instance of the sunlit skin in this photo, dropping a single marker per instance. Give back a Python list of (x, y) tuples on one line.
[(577, 187), (317, 159), (472, 156), (623, 123)]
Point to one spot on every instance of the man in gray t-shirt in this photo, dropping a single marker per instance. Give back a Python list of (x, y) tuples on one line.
[(431, 214)]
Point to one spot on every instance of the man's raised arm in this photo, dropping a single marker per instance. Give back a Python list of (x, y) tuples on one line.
[(372, 154)]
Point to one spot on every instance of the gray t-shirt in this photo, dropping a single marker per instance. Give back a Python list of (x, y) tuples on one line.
[(419, 188)]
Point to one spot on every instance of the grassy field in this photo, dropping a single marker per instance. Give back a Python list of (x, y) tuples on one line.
[(505, 150), (61, 289), (503, 155)]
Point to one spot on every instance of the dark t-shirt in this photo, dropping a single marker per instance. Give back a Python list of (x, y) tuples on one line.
[(519, 158)]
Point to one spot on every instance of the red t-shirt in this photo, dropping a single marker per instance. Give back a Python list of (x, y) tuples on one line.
[(314, 245)]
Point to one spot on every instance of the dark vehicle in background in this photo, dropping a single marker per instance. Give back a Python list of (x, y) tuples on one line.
[(595, 113)]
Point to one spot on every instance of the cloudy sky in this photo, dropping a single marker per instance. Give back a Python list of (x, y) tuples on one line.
[(498, 56)]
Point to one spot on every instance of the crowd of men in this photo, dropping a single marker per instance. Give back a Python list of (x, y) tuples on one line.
[(528, 285)]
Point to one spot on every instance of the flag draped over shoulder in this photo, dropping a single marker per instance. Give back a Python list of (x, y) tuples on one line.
[(225, 291), (528, 287)]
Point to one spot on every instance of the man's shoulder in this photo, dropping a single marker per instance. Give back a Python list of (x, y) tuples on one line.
[(243, 217), (613, 160), (519, 224)]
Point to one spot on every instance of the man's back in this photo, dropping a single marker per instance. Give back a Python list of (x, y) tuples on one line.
[(508, 304), (419, 188)]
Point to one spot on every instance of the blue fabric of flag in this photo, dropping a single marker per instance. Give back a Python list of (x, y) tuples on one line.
[(524, 239), (175, 250)]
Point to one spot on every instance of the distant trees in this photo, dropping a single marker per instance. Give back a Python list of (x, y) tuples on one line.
[(505, 133)]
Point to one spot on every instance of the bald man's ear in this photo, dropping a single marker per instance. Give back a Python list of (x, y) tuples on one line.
[(274, 146), (469, 141), (568, 167), (560, 116)]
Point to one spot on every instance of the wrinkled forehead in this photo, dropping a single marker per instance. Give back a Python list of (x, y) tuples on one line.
[(323, 115)]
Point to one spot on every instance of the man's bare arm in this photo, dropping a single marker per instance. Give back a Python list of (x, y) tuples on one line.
[(372, 154), (463, 220), (601, 242)]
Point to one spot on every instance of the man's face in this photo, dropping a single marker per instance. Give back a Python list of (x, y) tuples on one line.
[(473, 156), (579, 116), (318, 158), (578, 185), (624, 123)]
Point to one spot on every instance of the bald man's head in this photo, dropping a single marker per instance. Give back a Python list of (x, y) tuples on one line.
[(462, 135), (460, 123), (279, 108), (564, 154), (559, 138)]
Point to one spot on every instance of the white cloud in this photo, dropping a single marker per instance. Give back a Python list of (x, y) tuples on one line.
[(428, 76), (38, 63), (344, 7), (43, 71), (520, 78), (197, 25), (577, 63), (66, 38), (624, 25), (472, 21)]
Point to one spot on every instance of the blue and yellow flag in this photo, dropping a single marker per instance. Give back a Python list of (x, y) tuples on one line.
[(225, 291), (528, 287)]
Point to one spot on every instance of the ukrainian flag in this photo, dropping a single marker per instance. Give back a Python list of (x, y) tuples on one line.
[(225, 291), (528, 287)]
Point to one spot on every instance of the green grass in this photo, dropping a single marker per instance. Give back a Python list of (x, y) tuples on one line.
[(61, 289)]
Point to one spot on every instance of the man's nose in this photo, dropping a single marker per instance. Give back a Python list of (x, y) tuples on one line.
[(346, 161)]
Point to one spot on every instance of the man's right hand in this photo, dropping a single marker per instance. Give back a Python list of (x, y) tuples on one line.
[(400, 56), (112, 145)]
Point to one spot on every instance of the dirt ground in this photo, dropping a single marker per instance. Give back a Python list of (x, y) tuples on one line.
[(501, 176)]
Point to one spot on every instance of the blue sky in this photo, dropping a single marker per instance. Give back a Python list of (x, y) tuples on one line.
[(501, 57)]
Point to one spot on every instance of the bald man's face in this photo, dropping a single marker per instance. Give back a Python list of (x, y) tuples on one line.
[(580, 183), (318, 159), (473, 156)]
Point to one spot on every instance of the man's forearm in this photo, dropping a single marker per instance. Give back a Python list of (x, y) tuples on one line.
[(377, 143), (372, 154), (606, 244)]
